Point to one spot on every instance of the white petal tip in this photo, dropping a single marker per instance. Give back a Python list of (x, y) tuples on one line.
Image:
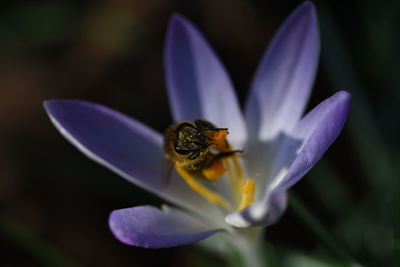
[(237, 221)]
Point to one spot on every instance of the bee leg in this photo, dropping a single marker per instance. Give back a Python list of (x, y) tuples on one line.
[(208, 194), (230, 153)]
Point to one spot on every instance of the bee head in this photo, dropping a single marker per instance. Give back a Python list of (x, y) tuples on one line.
[(194, 138)]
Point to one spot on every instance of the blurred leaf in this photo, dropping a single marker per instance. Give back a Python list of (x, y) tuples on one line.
[(32, 245), (318, 229), (112, 28), (302, 260), (36, 24), (330, 189)]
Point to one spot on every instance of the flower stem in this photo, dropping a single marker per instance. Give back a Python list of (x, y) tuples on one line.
[(249, 246)]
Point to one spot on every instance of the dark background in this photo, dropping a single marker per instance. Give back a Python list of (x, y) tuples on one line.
[(54, 202)]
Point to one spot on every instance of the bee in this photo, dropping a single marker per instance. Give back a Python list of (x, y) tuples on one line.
[(198, 148)]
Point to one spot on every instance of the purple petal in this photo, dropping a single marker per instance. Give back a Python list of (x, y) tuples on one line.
[(149, 227), (198, 84), (110, 136), (283, 81), (125, 146), (318, 129)]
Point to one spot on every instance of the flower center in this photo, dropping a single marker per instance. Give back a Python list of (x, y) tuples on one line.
[(201, 155)]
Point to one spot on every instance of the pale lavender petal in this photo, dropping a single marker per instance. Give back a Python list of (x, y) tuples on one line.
[(318, 129), (198, 84), (283, 81), (125, 146), (150, 227)]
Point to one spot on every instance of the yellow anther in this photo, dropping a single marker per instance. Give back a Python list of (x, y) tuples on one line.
[(233, 182), (215, 171), (208, 194), (248, 191)]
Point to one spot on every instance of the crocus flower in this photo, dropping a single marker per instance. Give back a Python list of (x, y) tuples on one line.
[(281, 145)]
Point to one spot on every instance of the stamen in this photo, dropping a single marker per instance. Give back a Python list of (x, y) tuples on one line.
[(248, 192), (238, 170), (233, 182), (235, 176), (208, 194), (239, 176)]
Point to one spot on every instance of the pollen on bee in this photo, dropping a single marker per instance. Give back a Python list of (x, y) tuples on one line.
[(218, 139), (215, 171)]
